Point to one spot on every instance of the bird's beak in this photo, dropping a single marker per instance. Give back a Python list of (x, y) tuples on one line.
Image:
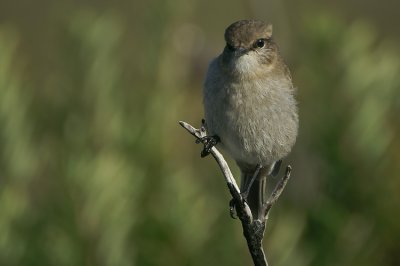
[(236, 51), (239, 51)]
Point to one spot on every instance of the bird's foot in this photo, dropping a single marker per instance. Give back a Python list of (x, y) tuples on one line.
[(209, 142)]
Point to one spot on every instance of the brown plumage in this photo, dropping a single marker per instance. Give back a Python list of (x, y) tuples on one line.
[(249, 103)]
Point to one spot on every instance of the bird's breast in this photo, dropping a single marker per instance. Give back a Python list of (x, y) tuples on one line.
[(256, 120)]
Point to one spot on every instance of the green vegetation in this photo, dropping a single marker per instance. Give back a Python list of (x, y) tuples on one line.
[(95, 170)]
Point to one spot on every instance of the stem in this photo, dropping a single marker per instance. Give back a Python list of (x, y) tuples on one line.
[(253, 229)]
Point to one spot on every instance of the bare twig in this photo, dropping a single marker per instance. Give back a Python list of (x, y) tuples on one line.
[(199, 134), (253, 229)]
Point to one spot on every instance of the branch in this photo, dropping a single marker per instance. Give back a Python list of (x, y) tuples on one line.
[(253, 230), (230, 180)]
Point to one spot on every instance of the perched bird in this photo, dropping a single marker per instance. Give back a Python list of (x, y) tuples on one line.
[(250, 106)]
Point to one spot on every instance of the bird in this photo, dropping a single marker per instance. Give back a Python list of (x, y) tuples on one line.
[(250, 107)]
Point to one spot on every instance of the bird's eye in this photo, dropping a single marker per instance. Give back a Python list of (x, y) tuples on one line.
[(260, 43)]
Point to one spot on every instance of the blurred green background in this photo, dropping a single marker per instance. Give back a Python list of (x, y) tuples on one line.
[(95, 170)]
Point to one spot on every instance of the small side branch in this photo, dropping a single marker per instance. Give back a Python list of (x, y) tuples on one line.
[(253, 230)]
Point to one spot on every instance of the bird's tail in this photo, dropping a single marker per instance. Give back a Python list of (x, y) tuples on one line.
[(256, 192)]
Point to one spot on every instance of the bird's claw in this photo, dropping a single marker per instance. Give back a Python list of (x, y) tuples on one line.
[(232, 209), (209, 142), (232, 205)]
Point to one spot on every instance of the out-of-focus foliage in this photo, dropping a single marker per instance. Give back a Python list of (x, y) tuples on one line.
[(94, 169)]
